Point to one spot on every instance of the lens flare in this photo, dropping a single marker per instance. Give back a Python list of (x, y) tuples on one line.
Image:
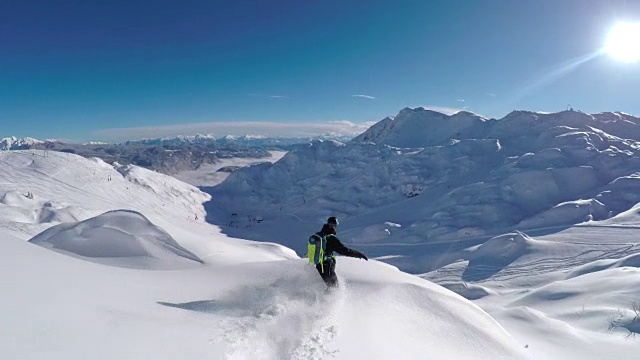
[(623, 42)]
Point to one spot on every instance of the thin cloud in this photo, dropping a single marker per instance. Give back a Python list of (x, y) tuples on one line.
[(254, 95), (358, 127), (364, 96), (492, 94), (461, 100), (237, 128)]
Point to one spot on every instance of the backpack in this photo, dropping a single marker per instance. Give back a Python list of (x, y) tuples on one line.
[(316, 250)]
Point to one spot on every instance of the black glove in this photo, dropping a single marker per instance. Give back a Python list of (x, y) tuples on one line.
[(360, 255)]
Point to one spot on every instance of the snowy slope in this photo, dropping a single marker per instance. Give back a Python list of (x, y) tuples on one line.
[(103, 293), (258, 311), (456, 180), (571, 294), (67, 187)]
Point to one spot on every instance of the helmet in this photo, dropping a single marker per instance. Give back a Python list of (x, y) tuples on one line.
[(333, 221)]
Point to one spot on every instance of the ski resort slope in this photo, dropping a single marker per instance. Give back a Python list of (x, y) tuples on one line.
[(96, 283)]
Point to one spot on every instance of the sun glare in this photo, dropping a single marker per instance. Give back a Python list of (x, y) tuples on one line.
[(623, 42)]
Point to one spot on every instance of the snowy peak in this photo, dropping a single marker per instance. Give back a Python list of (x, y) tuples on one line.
[(420, 127), (613, 123), (13, 143)]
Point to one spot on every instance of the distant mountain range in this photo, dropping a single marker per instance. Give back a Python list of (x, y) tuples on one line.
[(169, 155), (423, 177), (276, 143), (13, 143)]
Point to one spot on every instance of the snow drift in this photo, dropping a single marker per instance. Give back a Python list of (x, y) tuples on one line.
[(121, 238), (31, 208)]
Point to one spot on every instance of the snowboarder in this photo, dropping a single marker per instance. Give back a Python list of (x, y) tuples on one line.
[(320, 251)]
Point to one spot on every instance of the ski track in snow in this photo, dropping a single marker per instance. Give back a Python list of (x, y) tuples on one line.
[(269, 323), (538, 267), (585, 251)]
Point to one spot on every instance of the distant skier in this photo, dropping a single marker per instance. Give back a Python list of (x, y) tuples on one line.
[(320, 251)]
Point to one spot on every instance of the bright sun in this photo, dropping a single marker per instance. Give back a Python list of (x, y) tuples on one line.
[(623, 42)]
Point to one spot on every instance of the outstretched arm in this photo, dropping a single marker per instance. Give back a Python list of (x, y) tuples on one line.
[(333, 244)]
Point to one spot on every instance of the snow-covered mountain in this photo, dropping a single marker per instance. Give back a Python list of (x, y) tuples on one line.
[(13, 143), (425, 178), (84, 249), (421, 127), (197, 154), (168, 158), (279, 143)]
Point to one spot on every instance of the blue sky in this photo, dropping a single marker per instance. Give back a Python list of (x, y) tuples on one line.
[(86, 70)]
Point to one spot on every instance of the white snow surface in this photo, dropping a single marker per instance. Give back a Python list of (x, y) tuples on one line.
[(119, 237), (125, 270)]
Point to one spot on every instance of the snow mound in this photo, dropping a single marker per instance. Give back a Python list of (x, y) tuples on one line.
[(600, 265), (570, 212), (496, 254), (594, 301), (30, 208), (512, 245), (619, 196), (14, 198), (120, 238), (100, 163), (468, 291)]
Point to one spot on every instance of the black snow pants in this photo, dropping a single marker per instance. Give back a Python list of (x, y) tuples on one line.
[(329, 275)]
